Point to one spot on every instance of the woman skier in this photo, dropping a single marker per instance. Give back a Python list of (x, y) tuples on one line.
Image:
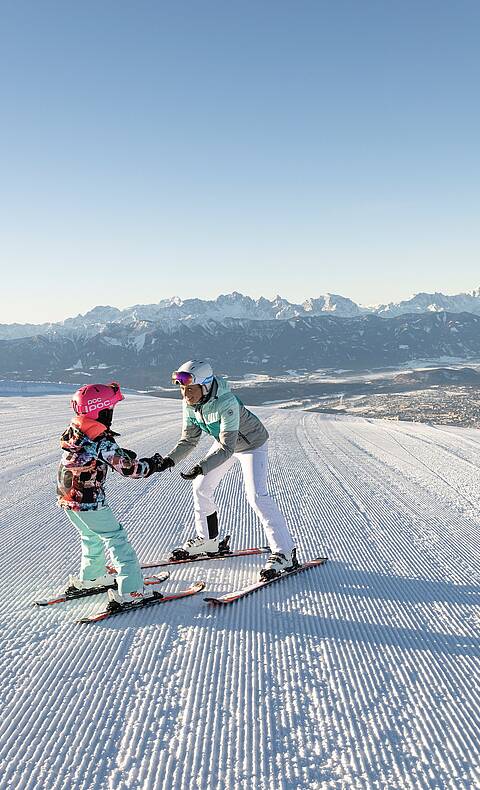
[(89, 449), (210, 406)]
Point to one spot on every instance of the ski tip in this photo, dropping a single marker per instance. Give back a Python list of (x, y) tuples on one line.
[(156, 578), (217, 601), (45, 602), (94, 619)]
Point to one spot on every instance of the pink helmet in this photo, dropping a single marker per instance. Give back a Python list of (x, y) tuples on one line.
[(93, 398)]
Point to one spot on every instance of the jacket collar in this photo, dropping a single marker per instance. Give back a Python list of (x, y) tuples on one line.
[(211, 395), (89, 427)]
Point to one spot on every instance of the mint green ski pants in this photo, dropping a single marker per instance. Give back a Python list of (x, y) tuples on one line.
[(99, 530)]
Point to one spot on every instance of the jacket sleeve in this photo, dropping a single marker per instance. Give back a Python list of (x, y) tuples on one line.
[(125, 462), (227, 440), (189, 439)]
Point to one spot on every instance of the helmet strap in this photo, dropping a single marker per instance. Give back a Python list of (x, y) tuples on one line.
[(207, 391)]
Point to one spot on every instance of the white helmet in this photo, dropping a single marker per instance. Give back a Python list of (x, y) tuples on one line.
[(194, 371)]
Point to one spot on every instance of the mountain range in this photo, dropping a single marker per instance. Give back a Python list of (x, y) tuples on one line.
[(141, 354), (168, 312)]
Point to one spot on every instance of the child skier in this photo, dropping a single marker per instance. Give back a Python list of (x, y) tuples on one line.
[(89, 448)]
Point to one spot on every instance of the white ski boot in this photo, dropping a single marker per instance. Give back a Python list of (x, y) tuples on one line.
[(277, 563), (127, 600), (196, 546), (88, 584)]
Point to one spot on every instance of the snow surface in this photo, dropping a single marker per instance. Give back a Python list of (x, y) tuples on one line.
[(362, 673)]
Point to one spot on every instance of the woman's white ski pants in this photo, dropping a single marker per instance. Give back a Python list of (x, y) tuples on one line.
[(254, 468)]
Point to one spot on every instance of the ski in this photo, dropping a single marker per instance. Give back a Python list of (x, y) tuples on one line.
[(71, 594), (222, 554), (237, 594), (158, 598)]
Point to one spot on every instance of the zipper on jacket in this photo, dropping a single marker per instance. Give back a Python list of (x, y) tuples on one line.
[(203, 420)]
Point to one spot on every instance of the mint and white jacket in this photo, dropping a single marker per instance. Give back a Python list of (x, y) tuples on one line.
[(224, 417)]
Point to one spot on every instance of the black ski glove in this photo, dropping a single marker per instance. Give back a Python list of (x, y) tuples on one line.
[(167, 463), (155, 463), (192, 473)]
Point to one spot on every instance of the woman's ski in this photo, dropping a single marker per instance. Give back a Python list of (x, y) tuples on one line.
[(231, 597), (223, 553)]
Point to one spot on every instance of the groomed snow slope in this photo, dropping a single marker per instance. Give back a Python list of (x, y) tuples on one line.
[(359, 674)]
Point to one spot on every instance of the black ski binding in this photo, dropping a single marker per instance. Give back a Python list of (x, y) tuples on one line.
[(113, 606), (75, 592), (223, 549)]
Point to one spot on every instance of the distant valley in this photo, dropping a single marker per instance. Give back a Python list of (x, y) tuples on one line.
[(243, 338)]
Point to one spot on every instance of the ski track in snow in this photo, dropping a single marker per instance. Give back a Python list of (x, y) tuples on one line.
[(362, 673)]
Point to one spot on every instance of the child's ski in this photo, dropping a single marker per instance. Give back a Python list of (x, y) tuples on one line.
[(157, 598), (237, 594), (72, 595)]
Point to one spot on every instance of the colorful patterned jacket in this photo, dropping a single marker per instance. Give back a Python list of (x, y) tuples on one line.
[(89, 449)]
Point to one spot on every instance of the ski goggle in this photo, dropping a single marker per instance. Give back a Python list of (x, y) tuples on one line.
[(183, 377)]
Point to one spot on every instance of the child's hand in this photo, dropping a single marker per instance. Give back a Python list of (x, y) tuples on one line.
[(129, 454)]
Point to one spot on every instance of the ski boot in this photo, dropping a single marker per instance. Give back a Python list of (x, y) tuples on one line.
[(209, 547), (194, 547), (277, 563), (118, 601), (198, 546), (74, 583)]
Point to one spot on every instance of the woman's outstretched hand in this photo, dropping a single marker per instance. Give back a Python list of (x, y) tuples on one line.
[(157, 463), (192, 473), (164, 463)]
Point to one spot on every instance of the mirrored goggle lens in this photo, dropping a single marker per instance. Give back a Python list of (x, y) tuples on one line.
[(182, 377)]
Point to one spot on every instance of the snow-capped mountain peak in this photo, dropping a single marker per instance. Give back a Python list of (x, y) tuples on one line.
[(432, 303), (236, 305)]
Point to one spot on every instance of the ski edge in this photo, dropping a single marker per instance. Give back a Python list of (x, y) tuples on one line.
[(232, 597)]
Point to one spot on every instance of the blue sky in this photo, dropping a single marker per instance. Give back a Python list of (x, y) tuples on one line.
[(151, 149)]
